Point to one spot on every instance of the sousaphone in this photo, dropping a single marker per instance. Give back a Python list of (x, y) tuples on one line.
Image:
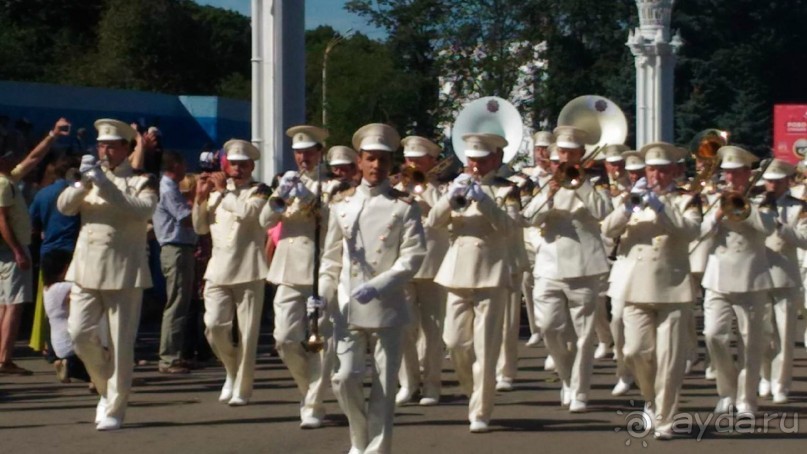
[(603, 120), (491, 115)]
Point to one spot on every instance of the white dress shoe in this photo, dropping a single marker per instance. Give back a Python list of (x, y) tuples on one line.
[(109, 423), (764, 388), (479, 427), (622, 386), (100, 410), (311, 422), (354, 450), (549, 363), (744, 411), (238, 401), (565, 395), (710, 373), (534, 340), (603, 350), (577, 406), (779, 398), (688, 367), (226, 390), (504, 385), (404, 396), (724, 405), (429, 401)]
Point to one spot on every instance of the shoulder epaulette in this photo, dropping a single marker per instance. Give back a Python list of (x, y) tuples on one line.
[(261, 190), (340, 196), (403, 196), (150, 182)]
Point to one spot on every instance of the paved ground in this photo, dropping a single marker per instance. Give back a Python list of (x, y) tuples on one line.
[(170, 414)]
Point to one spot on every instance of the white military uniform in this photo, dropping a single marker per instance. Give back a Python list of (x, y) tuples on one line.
[(234, 279), (375, 240), (657, 290), (569, 268), (477, 273), (507, 366), (292, 271), (532, 242), (786, 295), (109, 272), (428, 298), (737, 281)]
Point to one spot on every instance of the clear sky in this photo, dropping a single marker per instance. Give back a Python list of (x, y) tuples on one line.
[(317, 12)]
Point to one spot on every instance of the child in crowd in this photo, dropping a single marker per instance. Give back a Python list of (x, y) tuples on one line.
[(56, 298)]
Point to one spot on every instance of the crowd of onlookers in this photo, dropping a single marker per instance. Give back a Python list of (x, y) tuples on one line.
[(56, 160)]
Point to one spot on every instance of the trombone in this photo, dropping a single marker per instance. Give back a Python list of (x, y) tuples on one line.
[(569, 176)]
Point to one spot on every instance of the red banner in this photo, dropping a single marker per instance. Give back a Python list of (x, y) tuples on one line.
[(790, 132)]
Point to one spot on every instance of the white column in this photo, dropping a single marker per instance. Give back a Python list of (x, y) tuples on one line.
[(278, 85), (654, 52)]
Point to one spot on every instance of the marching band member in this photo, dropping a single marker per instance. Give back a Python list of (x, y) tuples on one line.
[(569, 267), (658, 292), (294, 204), (737, 281), (618, 278), (110, 266), (476, 270), (373, 248), (344, 164), (227, 206), (507, 365), (540, 173), (428, 297), (786, 295)]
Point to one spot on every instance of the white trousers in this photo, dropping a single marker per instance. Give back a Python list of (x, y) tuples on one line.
[(561, 303), (527, 290), (109, 368), (507, 366), (779, 334), (618, 333), (473, 336), (655, 352), (309, 370), (221, 304), (738, 380), (370, 422), (422, 359)]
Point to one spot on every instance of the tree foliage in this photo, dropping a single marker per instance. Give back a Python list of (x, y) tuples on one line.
[(173, 46)]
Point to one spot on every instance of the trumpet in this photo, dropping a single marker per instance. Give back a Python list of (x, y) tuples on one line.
[(637, 201), (569, 176), (279, 203), (460, 202), (411, 176)]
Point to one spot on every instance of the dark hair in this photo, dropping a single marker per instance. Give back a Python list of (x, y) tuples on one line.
[(63, 163), (170, 159), (53, 265)]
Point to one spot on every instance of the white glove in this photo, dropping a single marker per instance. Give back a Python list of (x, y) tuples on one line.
[(364, 293), (287, 183), (653, 201), (458, 186), (640, 186), (475, 192), (313, 304), (97, 175), (88, 161), (300, 191)]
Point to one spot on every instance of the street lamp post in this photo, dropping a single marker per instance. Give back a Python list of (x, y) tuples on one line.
[(328, 48)]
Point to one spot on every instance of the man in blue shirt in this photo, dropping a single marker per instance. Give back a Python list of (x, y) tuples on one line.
[(59, 232), (174, 231)]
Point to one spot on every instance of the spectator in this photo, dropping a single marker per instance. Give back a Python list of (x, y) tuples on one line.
[(57, 298), (15, 259), (174, 233)]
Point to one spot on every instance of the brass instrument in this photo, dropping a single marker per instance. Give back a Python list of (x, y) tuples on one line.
[(411, 176), (736, 205), (314, 342), (279, 204), (604, 122), (489, 115), (704, 146), (460, 202)]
